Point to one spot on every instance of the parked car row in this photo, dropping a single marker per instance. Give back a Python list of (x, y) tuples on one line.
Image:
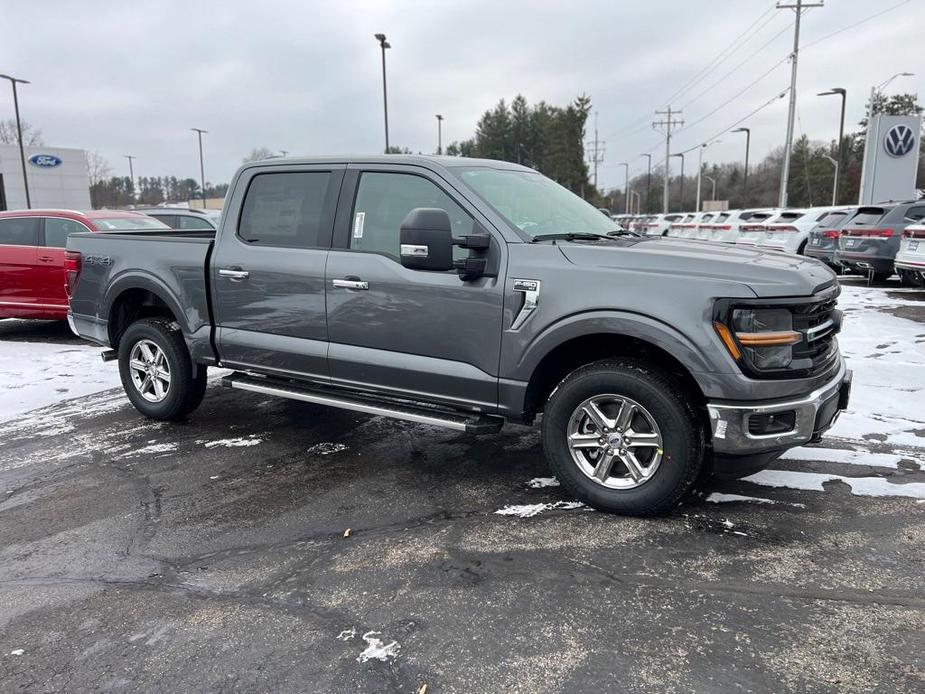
[(32, 258), (872, 239)]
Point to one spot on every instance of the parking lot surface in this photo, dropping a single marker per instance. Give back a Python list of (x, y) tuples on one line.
[(270, 545)]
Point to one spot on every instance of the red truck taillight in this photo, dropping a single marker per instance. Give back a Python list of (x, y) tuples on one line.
[(830, 233), (72, 266)]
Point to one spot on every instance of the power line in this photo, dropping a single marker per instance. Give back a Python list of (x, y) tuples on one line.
[(749, 115), (858, 23), (668, 123)]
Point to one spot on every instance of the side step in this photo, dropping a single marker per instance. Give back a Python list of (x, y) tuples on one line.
[(397, 409)]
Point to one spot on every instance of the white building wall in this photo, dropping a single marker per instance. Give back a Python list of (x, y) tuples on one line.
[(66, 185)]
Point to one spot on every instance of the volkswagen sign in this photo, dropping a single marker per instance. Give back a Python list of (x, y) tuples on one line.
[(899, 140), (45, 160)]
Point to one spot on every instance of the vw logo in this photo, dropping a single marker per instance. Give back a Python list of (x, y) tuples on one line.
[(899, 140)]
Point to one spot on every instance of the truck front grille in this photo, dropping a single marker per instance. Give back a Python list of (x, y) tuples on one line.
[(819, 322)]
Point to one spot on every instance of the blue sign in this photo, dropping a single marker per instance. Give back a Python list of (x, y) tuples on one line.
[(899, 140), (45, 160)]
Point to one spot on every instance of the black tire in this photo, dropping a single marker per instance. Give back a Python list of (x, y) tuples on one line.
[(664, 398), (802, 249), (184, 392), (882, 276)]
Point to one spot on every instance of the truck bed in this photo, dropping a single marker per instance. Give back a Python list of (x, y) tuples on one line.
[(171, 263)]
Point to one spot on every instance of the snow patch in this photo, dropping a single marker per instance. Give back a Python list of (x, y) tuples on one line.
[(327, 448), (861, 456), (347, 634), (540, 482), (720, 498), (375, 650), (17, 651), (241, 441), (530, 510), (860, 486)]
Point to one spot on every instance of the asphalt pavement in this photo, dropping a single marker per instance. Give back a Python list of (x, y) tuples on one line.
[(265, 545)]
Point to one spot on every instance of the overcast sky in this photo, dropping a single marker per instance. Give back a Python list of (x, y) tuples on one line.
[(134, 77)]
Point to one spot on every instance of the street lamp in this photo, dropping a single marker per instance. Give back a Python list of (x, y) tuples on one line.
[(876, 90), (700, 149), (681, 193), (131, 172), (748, 143), (626, 187), (202, 170), (385, 100), (713, 181), (638, 200), (835, 183), (439, 134), (841, 131), (648, 181), (22, 152)]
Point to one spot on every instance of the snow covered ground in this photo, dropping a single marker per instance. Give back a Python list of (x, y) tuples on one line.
[(38, 374)]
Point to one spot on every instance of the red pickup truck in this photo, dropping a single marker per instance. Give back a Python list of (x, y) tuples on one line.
[(32, 255)]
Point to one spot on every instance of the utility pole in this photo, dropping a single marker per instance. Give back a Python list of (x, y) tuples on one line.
[(439, 134), (131, 173), (385, 99), (681, 194), (202, 168), (626, 188), (668, 123), (22, 152), (648, 181), (791, 114), (597, 152)]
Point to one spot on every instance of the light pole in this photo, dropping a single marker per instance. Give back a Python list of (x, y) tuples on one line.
[(22, 152), (202, 170), (385, 99), (439, 134), (841, 132), (700, 149), (131, 173), (626, 187), (835, 182), (748, 144), (681, 192), (713, 181), (876, 90), (648, 182), (638, 200)]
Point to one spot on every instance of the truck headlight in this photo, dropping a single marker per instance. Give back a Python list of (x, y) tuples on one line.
[(762, 336)]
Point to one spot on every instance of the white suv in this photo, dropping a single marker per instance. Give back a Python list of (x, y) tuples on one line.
[(788, 232), (658, 225), (910, 260)]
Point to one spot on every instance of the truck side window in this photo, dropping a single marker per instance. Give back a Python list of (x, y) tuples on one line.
[(57, 230), (383, 200), (19, 231), (284, 209)]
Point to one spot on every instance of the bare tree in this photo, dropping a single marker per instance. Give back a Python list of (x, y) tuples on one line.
[(258, 153), (30, 136), (97, 167)]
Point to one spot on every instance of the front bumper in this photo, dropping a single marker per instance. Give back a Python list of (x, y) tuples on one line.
[(813, 415)]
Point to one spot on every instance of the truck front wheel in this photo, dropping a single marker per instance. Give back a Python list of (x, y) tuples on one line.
[(622, 437), (157, 372)]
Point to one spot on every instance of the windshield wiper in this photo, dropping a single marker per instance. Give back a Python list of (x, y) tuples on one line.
[(623, 232), (570, 236)]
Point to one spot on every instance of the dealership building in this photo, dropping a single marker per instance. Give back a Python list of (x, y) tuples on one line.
[(58, 178)]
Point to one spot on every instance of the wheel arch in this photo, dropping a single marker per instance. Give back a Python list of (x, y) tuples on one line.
[(138, 296)]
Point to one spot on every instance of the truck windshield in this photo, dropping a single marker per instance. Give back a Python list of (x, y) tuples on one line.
[(533, 203)]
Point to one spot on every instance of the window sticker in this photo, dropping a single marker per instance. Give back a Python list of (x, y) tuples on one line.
[(358, 222)]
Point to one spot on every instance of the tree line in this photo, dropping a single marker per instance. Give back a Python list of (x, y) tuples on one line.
[(121, 191)]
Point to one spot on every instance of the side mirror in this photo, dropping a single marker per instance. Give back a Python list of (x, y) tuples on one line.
[(426, 240)]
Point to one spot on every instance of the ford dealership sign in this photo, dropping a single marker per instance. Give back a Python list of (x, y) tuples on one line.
[(45, 160)]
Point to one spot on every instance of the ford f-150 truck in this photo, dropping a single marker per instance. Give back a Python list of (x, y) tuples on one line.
[(462, 293)]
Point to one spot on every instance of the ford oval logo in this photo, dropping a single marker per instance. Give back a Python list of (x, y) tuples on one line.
[(45, 160), (899, 140)]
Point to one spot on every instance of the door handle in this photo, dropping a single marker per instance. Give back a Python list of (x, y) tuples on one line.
[(46, 259), (234, 274), (351, 284)]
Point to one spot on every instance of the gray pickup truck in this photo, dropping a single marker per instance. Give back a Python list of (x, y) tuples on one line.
[(462, 293)]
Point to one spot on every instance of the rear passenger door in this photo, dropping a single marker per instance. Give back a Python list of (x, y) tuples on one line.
[(52, 243), (20, 288), (268, 270)]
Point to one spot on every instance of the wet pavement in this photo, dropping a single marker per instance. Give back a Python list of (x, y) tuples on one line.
[(268, 545)]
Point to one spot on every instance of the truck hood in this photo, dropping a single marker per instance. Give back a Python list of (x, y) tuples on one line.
[(766, 273)]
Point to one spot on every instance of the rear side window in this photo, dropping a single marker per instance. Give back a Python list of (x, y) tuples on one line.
[(58, 229), (786, 217), (722, 217), (915, 213), (832, 219), (20, 231), (194, 223), (170, 220), (285, 209)]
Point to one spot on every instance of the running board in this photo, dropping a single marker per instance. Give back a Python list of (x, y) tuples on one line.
[(470, 423)]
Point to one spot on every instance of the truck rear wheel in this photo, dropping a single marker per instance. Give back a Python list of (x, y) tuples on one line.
[(621, 436), (157, 372)]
